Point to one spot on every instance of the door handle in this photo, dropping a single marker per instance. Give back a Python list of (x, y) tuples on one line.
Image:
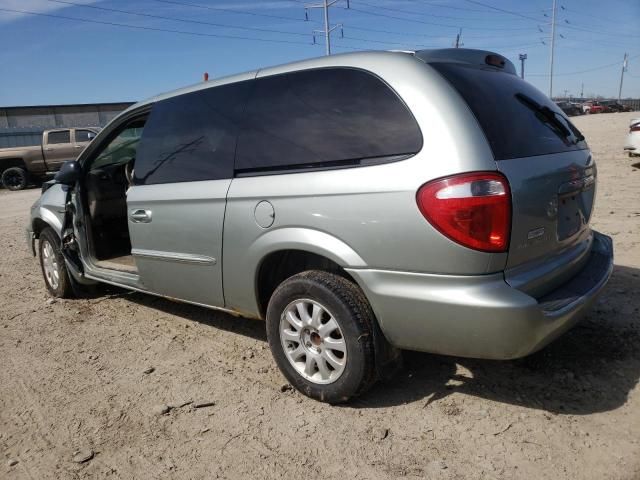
[(78, 146), (140, 216)]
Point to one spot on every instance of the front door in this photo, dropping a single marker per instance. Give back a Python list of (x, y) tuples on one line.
[(176, 207), (58, 148), (82, 137)]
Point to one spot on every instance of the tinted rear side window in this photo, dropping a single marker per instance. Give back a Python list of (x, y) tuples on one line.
[(323, 117), (191, 137), (63, 136), (512, 113)]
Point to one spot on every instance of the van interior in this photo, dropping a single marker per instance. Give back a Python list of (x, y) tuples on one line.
[(107, 180)]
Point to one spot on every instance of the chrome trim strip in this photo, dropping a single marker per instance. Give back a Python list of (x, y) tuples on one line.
[(174, 257)]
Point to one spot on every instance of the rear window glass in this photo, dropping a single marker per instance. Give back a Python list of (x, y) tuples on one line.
[(518, 120), (321, 118)]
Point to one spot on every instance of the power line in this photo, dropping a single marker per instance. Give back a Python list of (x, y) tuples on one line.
[(597, 32), (422, 22), (243, 12), (229, 10), (510, 12), (154, 29), (391, 32), (452, 7), (367, 40), (566, 25), (175, 19), (413, 12), (601, 67), (597, 17)]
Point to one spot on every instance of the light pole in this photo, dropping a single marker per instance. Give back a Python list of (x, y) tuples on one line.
[(624, 67), (523, 57), (553, 41)]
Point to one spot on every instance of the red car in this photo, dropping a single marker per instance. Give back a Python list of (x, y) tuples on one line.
[(593, 107)]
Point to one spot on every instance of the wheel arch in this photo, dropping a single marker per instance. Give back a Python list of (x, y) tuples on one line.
[(46, 218), (6, 163), (277, 266), (282, 253)]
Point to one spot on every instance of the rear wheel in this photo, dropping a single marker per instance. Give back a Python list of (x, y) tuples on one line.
[(320, 331), (15, 178), (54, 269)]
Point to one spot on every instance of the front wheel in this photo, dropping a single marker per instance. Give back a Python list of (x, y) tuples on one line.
[(15, 178), (54, 269), (320, 331)]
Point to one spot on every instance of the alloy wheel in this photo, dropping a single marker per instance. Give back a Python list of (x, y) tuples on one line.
[(312, 341)]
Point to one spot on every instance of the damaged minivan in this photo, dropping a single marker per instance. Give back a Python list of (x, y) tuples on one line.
[(360, 204)]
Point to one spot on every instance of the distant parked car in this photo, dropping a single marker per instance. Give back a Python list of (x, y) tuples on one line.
[(613, 106), (570, 109), (632, 145), (20, 164), (593, 107)]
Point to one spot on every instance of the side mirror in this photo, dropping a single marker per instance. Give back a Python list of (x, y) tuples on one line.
[(69, 173)]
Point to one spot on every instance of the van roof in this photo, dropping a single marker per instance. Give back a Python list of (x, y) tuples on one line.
[(354, 59)]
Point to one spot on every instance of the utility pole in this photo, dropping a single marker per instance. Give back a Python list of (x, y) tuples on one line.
[(565, 93), (325, 5), (581, 90), (624, 68), (553, 41), (458, 43), (523, 57)]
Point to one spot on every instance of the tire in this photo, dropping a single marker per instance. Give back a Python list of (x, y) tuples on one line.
[(15, 178), (307, 348), (54, 269)]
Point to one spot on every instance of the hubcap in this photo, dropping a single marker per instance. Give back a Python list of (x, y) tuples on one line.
[(312, 341), (50, 265), (13, 179)]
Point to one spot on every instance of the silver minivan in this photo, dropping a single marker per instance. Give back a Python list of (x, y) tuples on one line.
[(361, 204)]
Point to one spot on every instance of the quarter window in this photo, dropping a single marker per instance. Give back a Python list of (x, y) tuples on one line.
[(61, 136), (191, 137), (323, 118)]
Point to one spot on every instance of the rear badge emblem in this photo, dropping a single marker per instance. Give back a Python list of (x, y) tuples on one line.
[(536, 233)]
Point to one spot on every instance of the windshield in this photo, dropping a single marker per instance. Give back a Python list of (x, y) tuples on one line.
[(517, 119)]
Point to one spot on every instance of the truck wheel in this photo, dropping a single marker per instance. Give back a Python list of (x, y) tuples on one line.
[(14, 178), (54, 269), (320, 331)]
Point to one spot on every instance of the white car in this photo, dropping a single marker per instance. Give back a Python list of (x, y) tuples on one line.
[(632, 145)]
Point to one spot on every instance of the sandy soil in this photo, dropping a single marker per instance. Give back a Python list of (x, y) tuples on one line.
[(72, 379)]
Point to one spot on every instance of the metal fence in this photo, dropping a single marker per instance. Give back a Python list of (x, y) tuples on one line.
[(634, 103), (23, 126), (20, 137)]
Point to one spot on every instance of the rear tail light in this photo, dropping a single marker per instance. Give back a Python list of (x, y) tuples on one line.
[(472, 209), (635, 128)]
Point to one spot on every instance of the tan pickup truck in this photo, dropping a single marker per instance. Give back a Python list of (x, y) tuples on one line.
[(19, 165)]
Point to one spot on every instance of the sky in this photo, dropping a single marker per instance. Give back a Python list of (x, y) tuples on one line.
[(85, 51)]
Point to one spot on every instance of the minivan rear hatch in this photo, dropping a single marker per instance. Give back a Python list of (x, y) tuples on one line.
[(549, 168)]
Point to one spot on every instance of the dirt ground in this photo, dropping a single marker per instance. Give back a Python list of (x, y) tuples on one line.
[(75, 376)]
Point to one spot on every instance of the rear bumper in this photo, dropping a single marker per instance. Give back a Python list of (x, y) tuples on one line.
[(480, 316)]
